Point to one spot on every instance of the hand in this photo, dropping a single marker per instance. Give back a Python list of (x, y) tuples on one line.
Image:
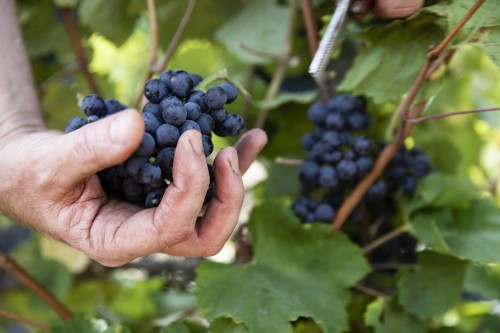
[(49, 183), (394, 9)]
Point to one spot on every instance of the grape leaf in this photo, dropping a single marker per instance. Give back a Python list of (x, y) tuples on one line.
[(387, 317), (261, 26), (109, 18), (434, 287), (470, 233), (303, 97), (392, 55), (297, 271), (483, 281), (482, 29), (66, 3)]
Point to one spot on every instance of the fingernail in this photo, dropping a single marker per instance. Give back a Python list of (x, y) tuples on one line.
[(196, 144), (120, 129), (233, 163)]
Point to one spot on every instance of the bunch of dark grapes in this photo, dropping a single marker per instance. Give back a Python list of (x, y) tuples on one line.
[(173, 107), (339, 157)]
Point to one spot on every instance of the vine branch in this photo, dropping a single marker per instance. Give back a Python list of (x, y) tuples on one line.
[(76, 42), (25, 278), (449, 114), (25, 321), (404, 128)]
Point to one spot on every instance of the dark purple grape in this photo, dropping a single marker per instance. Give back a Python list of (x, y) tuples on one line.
[(167, 136), (74, 124), (165, 75), (154, 197), (92, 119), (421, 166), (165, 159), (317, 113), (208, 145), (328, 177), (335, 121), (324, 212), (308, 141), (134, 164), (343, 103), (357, 121), (196, 79), (232, 126), (309, 172), (362, 145), (219, 115), (173, 111), (133, 191), (193, 110), (151, 122), (347, 170), (122, 170), (333, 157), (231, 91), (113, 106), (154, 109), (409, 186), (147, 146), (364, 164), (188, 125), (350, 155), (215, 97), (198, 97), (180, 84), (210, 193), (150, 174), (113, 179), (332, 139), (155, 90), (376, 192), (93, 105), (206, 123)]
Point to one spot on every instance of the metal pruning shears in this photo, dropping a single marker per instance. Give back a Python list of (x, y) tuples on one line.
[(334, 31)]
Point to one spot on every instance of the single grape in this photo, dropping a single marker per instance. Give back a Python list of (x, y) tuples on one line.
[(329, 178), (206, 123), (324, 212), (154, 197), (196, 79), (210, 193), (335, 121), (208, 145), (173, 111), (167, 136), (317, 113), (155, 90), (376, 192), (231, 91), (92, 119), (147, 146), (409, 186), (343, 103), (134, 164), (198, 97), (150, 174), (113, 106), (309, 172), (188, 125), (165, 159), (93, 105), (165, 75), (215, 97), (151, 123), (364, 164), (154, 109), (232, 126), (332, 139), (347, 170), (193, 110), (74, 124), (180, 84), (308, 141), (219, 115), (362, 145), (133, 191)]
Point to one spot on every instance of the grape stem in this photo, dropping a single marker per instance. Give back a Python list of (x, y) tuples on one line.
[(313, 40), (449, 114), (281, 68), (371, 291), (384, 239), (25, 278), (76, 41), (25, 321), (156, 66), (405, 111)]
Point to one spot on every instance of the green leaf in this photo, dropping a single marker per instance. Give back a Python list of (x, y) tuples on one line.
[(441, 190), (176, 328), (304, 97), (86, 325), (470, 233), (434, 287), (260, 26), (227, 325), (66, 3), (109, 18), (483, 280), (287, 278), (387, 317), (392, 56)]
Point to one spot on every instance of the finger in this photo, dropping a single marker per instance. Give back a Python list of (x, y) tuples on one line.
[(249, 146), (97, 146), (395, 9), (222, 212), (152, 230)]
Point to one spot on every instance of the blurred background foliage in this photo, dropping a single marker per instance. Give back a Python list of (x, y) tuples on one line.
[(378, 59)]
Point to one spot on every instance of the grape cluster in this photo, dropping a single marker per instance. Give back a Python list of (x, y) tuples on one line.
[(339, 157), (173, 107)]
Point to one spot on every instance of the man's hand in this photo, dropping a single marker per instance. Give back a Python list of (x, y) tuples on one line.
[(48, 182), (394, 9)]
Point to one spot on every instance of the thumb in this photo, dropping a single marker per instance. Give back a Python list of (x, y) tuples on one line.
[(98, 145)]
